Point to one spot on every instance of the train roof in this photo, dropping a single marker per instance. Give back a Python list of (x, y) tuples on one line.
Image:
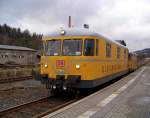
[(72, 32), (79, 32), (9, 47)]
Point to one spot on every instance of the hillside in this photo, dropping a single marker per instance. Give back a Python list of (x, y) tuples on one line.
[(14, 36), (144, 52)]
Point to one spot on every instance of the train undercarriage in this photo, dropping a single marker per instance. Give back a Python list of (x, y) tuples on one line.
[(60, 84)]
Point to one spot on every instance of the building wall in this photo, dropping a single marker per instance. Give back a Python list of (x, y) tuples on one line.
[(17, 57)]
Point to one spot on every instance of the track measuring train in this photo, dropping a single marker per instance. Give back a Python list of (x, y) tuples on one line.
[(81, 59)]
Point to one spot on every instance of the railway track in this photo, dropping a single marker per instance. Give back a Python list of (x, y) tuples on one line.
[(6, 80), (11, 109), (37, 108), (54, 109), (44, 106)]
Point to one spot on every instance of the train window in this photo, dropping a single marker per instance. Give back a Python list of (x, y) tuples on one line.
[(97, 47), (89, 47), (118, 52), (102, 68), (53, 48), (125, 53), (108, 50), (72, 47), (44, 48)]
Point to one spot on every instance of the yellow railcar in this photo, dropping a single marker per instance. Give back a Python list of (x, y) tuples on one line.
[(78, 58), (132, 62)]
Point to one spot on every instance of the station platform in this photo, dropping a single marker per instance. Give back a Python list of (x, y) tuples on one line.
[(127, 98)]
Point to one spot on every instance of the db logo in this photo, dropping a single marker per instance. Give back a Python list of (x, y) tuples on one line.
[(60, 63)]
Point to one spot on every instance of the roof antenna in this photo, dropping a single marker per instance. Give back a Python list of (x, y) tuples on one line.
[(86, 26), (69, 22)]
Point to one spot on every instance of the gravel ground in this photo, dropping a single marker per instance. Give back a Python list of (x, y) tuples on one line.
[(21, 84), (16, 93)]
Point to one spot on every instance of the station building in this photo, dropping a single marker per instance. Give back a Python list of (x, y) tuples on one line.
[(16, 55)]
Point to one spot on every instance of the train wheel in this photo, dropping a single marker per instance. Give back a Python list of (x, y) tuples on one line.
[(77, 94), (56, 92)]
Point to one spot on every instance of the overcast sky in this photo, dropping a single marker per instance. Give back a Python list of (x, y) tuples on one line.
[(127, 20)]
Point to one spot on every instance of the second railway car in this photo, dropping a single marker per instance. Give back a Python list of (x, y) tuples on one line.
[(133, 62), (80, 59)]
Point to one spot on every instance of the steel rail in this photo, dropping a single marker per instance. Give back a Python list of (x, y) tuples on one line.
[(55, 109), (6, 80), (17, 107)]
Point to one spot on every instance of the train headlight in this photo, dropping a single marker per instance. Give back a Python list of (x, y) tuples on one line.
[(64, 88), (77, 66), (54, 87), (45, 65)]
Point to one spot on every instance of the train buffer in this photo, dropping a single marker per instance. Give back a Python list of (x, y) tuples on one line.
[(127, 98)]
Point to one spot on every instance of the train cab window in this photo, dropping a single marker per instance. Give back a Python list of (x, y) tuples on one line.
[(53, 48), (89, 47), (72, 47), (108, 50), (44, 47), (118, 52)]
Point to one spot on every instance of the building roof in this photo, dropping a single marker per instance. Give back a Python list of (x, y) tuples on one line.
[(9, 47), (79, 32)]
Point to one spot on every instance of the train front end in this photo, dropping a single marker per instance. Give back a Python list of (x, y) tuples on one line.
[(63, 64)]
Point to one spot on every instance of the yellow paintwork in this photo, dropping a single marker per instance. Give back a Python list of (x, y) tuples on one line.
[(91, 67), (133, 62)]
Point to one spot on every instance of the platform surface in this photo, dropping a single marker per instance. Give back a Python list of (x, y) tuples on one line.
[(126, 98)]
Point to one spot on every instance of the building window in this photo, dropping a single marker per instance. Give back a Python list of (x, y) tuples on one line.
[(21, 56), (6, 56), (14, 56), (108, 50), (118, 52)]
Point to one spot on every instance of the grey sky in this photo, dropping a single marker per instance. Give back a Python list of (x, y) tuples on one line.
[(127, 20)]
